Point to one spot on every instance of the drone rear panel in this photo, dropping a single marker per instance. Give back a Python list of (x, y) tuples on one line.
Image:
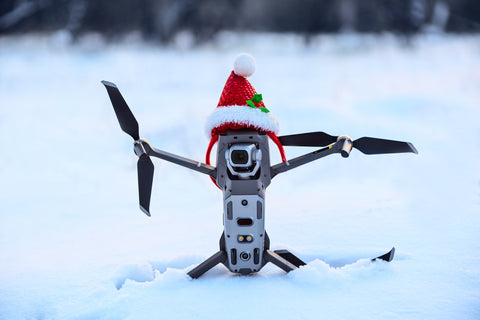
[(244, 232)]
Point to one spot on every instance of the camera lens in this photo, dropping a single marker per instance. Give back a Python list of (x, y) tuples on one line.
[(244, 255), (239, 157)]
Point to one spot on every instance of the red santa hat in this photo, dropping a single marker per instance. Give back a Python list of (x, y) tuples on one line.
[(240, 107)]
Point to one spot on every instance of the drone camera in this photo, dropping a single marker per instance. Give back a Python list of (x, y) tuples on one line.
[(242, 155), (243, 159)]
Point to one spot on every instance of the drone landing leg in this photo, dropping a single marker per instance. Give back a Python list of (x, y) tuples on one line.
[(219, 257), (279, 261), (290, 257)]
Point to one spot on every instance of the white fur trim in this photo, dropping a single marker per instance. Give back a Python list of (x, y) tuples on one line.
[(243, 115), (244, 65)]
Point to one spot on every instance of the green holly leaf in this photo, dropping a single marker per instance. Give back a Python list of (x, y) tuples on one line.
[(257, 98), (264, 109), (250, 103)]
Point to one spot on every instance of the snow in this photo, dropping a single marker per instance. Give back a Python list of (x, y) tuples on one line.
[(74, 244)]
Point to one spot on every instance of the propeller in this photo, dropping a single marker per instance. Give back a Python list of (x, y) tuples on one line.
[(145, 179), (366, 145), (125, 117), (369, 145), (310, 139), (129, 125)]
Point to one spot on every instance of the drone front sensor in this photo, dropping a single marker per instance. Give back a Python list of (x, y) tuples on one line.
[(241, 126)]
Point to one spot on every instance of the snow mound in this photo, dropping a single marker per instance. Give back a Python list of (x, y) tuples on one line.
[(151, 271)]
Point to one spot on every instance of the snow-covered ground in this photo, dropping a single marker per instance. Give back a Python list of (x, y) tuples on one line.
[(74, 245)]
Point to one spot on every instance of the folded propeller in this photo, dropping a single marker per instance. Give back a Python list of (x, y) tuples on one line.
[(129, 125), (366, 145)]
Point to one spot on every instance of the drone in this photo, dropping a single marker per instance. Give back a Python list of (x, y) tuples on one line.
[(241, 125)]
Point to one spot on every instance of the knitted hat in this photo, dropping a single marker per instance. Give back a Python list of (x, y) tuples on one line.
[(241, 107)]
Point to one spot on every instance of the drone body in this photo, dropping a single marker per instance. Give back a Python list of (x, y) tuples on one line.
[(243, 174), (243, 170)]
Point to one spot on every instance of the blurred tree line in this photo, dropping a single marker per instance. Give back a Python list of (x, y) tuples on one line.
[(161, 20)]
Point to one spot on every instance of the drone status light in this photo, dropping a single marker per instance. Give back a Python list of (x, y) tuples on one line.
[(244, 238)]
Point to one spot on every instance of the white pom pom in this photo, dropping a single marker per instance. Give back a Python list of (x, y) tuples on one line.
[(244, 65)]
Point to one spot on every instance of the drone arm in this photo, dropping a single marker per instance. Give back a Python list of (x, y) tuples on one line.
[(342, 146), (142, 146)]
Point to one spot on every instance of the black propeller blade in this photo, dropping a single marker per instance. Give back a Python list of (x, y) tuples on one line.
[(369, 145), (366, 145), (310, 139), (129, 125), (145, 179), (125, 117)]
